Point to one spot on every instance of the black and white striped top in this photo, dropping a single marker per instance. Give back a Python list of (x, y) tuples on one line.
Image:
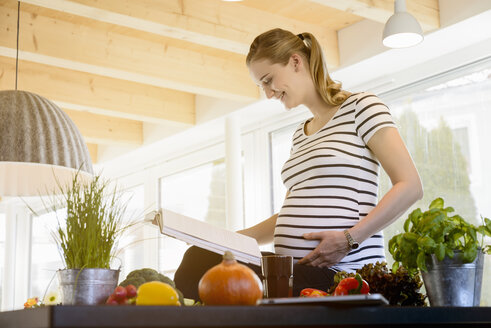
[(332, 177)]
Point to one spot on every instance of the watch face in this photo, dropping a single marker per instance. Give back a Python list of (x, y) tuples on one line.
[(355, 245)]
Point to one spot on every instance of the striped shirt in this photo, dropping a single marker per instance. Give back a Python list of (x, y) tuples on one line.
[(332, 177)]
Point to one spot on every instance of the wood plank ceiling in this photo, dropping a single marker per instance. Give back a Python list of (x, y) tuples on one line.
[(113, 65)]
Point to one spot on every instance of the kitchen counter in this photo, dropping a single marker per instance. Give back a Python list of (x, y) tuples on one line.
[(245, 316)]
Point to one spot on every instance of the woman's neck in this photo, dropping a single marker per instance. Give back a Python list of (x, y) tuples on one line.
[(319, 108)]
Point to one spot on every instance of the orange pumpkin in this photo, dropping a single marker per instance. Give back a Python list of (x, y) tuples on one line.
[(230, 283)]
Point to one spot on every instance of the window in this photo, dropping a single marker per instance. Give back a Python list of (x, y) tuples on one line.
[(46, 259), (444, 123), (129, 251), (281, 142), (198, 192), (445, 129), (2, 252), (461, 137)]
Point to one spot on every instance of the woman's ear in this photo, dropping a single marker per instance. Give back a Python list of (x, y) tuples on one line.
[(296, 61)]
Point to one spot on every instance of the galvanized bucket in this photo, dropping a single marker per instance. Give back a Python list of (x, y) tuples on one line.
[(87, 286), (452, 282)]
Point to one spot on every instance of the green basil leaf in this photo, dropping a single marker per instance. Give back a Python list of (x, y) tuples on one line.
[(437, 203), (415, 217), (431, 222), (440, 252), (470, 253), (456, 235), (406, 224), (484, 231), (406, 244), (472, 232), (410, 236), (395, 266), (449, 209), (488, 223), (449, 251), (426, 242), (447, 228), (421, 261), (438, 234), (392, 245)]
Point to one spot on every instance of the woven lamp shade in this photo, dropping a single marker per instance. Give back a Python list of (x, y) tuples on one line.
[(40, 147)]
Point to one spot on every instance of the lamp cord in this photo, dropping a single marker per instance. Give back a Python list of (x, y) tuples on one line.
[(17, 47)]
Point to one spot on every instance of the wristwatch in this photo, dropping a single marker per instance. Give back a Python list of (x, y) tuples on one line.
[(351, 242)]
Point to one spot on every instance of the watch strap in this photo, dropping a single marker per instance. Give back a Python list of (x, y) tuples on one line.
[(351, 242)]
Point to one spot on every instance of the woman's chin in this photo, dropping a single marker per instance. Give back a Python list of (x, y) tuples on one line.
[(288, 106)]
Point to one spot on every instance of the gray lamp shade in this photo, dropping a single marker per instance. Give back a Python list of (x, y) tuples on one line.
[(40, 147)]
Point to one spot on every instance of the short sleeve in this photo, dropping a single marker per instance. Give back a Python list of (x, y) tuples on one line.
[(371, 114), (297, 137)]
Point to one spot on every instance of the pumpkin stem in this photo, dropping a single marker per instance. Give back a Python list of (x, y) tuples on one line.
[(228, 256)]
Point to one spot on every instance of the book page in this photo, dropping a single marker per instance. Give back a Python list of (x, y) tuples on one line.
[(207, 236)]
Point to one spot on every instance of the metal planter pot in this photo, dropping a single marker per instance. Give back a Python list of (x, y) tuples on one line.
[(452, 282), (87, 286)]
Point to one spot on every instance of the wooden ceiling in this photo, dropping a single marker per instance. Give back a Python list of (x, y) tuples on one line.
[(113, 65)]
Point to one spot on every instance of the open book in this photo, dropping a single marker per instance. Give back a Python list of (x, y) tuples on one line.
[(206, 236)]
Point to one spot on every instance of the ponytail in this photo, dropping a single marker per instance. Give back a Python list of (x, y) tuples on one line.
[(329, 90)]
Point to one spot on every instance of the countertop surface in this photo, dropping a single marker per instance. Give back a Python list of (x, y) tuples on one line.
[(246, 316)]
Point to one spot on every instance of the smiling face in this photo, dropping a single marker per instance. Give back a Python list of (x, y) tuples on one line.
[(283, 82)]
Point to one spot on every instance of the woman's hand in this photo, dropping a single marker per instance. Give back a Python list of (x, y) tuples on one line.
[(332, 247)]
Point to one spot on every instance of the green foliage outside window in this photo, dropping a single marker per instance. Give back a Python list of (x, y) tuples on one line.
[(443, 170), (440, 163)]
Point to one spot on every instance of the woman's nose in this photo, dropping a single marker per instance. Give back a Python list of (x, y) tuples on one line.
[(269, 92)]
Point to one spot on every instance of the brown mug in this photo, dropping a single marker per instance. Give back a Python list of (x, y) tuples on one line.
[(277, 273)]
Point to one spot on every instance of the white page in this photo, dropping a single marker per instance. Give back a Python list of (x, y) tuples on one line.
[(207, 236)]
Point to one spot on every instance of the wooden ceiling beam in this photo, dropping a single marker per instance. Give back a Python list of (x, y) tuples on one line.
[(210, 23), (82, 44), (101, 129), (426, 12), (98, 94)]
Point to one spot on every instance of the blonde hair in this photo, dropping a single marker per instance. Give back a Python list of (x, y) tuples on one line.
[(279, 45)]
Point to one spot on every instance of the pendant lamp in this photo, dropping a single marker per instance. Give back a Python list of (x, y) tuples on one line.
[(402, 30), (40, 147)]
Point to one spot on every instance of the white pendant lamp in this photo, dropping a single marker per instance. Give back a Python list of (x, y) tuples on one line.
[(40, 147), (402, 30)]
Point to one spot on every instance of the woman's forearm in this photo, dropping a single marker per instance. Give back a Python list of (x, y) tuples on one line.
[(394, 203), (263, 232)]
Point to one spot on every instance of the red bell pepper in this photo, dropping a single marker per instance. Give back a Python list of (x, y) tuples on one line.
[(312, 292), (352, 285)]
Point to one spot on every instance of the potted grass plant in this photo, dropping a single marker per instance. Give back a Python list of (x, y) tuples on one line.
[(88, 239), (447, 249)]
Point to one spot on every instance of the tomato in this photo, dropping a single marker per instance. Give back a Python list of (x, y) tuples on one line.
[(130, 291), (312, 292), (352, 285), (111, 301), (119, 293)]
